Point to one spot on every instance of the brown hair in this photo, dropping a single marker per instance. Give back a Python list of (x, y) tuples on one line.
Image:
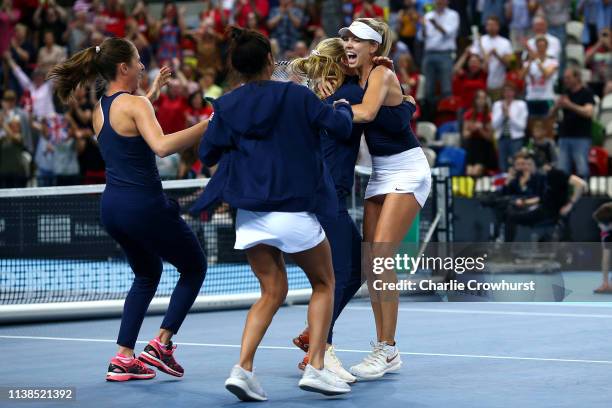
[(248, 51), (603, 213), (87, 65)]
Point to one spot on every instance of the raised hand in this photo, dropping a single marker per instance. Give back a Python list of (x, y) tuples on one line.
[(161, 80)]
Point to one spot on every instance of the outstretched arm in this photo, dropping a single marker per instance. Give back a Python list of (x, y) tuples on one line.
[(143, 114)]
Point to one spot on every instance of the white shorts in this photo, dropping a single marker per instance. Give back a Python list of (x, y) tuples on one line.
[(405, 172), (290, 232)]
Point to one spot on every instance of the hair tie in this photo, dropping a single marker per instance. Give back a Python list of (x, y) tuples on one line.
[(97, 49), (315, 52)]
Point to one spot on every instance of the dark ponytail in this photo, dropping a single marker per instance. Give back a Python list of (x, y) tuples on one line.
[(88, 65), (249, 51)]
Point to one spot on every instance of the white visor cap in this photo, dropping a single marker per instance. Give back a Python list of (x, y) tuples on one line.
[(362, 31)]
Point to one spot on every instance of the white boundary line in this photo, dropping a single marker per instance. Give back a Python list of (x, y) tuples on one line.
[(482, 356), (486, 312)]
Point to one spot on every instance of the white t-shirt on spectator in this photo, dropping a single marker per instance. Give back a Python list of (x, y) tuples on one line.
[(434, 39), (554, 46), (538, 87), (496, 69)]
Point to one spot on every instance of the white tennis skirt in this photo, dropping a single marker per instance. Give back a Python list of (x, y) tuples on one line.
[(290, 232), (405, 172)]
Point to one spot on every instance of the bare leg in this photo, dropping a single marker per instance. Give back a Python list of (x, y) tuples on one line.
[(372, 209), (268, 265), (317, 264), (397, 214)]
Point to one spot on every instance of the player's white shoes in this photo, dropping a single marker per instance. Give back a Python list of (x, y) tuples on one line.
[(333, 364), (244, 385), (383, 359), (322, 381)]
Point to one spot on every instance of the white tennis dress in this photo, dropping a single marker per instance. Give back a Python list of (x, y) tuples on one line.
[(404, 172), (290, 232)]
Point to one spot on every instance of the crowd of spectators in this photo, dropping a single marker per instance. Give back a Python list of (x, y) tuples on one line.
[(499, 70)]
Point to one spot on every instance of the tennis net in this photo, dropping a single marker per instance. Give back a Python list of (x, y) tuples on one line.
[(57, 261)]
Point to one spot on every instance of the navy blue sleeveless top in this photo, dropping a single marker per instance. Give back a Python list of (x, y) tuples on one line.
[(390, 131), (130, 162)]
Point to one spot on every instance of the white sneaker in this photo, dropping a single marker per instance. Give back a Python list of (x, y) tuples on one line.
[(383, 359), (244, 385), (322, 381), (333, 364)]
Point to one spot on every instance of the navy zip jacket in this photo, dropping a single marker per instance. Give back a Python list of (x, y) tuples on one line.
[(341, 150), (265, 136)]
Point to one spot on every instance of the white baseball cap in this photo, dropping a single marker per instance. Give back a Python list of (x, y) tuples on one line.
[(362, 31)]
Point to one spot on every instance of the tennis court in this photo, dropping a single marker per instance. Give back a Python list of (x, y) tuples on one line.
[(464, 355)]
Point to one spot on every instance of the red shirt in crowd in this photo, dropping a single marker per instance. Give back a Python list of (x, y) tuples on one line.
[(198, 115), (376, 11), (477, 116), (114, 22), (170, 113), (465, 87), (262, 7), (213, 17)]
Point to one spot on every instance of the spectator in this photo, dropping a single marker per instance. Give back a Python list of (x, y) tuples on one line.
[(607, 88), (11, 110), (494, 8), (24, 54), (13, 170), (50, 54), (144, 20), (132, 33), (603, 217), (440, 33), (575, 129), (284, 23), (469, 77), (50, 17), (540, 73), (557, 15), (368, 9), (497, 53), (56, 155), (543, 147), (171, 108), (518, 13), (40, 91), (408, 22), (207, 83), (91, 164), (408, 75), (114, 18), (300, 50), (523, 180), (208, 50), (478, 137), (599, 59), (509, 122), (214, 16), (522, 183), (168, 33), (552, 204), (540, 28), (198, 110), (260, 9), (78, 32), (9, 17), (348, 11), (597, 17)]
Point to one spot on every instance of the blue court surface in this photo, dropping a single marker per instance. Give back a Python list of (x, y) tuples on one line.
[(454, 355)]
